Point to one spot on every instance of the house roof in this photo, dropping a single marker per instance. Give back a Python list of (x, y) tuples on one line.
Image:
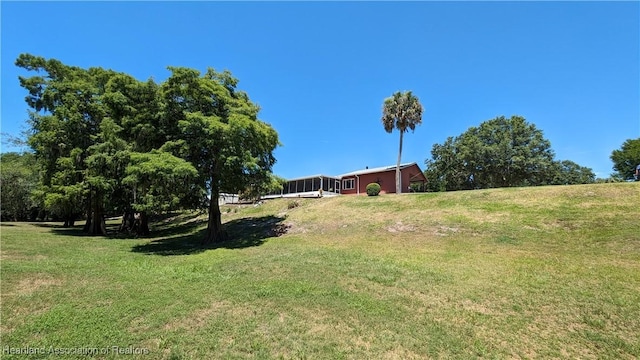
[(377, 170), (314, 177), (359, 172)]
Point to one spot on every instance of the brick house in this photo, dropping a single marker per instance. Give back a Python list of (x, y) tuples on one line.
[(353, 183), (356, 182)]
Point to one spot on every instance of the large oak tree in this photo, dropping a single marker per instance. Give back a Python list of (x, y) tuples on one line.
[(500, 152)]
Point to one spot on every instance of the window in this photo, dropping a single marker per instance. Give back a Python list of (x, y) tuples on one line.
[(348, 184)]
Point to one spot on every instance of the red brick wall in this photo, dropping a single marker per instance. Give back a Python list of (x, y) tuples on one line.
[(351, 191), (386, 179), (407, 174)]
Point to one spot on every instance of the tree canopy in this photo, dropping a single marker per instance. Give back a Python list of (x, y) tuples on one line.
[(502, 152), (18, 181), (106, 142), (626, 159), (220, 134)]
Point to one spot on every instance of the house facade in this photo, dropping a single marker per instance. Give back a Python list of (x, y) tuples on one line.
[(354, 183)]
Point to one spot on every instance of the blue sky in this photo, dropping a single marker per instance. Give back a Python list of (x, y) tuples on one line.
[(321, 70)]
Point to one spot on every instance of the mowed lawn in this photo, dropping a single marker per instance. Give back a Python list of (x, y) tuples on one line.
[(547, 272)]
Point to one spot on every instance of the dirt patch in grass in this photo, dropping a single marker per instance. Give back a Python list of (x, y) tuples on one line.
[(321, 323), (297, 228), (200, 318), (400, 352), (137, 326), (400, 227), (32, 284), (445, 230), (10, 256)]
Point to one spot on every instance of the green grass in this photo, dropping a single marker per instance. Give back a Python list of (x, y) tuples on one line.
[(548, 272)]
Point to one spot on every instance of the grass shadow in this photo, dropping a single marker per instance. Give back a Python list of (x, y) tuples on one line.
[(77, 230), (243, 233), (169, 227), (48, 225), (59, 229), (164, 225)]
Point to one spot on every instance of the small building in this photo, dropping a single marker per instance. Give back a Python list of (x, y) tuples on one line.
[(355, 182), (411, 177)]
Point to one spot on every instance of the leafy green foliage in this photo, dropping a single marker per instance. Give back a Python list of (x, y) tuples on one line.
[(626, 158), (107, 160), (220, 134), (254, 191), (18, 179), (66, 116), (373, 189), (159, 180), (502, 152), (401, 111), (417, 187), (107, 142), (567, 172)]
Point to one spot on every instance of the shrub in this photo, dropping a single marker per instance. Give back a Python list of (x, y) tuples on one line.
[(417, 187), (373, 189), (293, 204)]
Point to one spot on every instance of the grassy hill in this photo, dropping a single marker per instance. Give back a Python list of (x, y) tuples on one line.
[(548, 272)]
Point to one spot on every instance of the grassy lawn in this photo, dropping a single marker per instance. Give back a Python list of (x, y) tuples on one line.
[(548, 272)]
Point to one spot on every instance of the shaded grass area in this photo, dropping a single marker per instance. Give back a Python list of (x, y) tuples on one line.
[(549, 272), (243, 233)]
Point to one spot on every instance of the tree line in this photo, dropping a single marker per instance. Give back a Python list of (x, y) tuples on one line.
[(501, 152), (105, 142)]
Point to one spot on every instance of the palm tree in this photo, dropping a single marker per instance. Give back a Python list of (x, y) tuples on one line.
[(401, 111)]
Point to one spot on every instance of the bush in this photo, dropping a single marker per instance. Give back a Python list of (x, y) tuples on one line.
[(293, 204), (373, 189), (417, 187)]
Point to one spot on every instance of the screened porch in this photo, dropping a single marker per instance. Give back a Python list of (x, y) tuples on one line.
[(308, 187)]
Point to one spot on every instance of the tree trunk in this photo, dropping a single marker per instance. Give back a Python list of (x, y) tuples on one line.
[(97, 225), (87, 224), (398, 177), (143, 224), (127, 222), (215, 233), (69, 221)]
